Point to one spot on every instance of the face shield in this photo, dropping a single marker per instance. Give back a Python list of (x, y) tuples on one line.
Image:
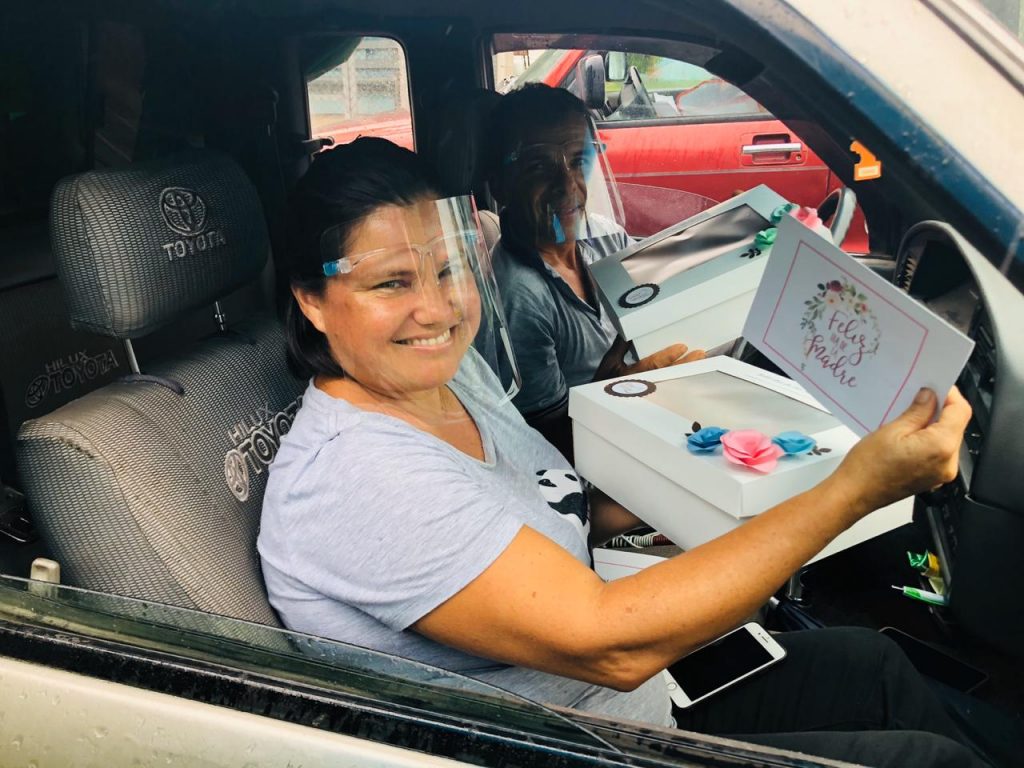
[(559, 185), (415, 290)]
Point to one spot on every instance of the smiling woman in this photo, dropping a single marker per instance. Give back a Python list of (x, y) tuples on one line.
[(412, 510), (407, 455)]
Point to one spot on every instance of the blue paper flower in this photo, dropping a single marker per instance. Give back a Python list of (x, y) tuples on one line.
[(794, 442), (705, 440)]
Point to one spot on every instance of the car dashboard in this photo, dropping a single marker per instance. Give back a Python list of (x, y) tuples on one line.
[(977, 522)]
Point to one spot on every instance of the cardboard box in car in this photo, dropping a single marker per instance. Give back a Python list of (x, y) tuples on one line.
[(630, 440), (693, 282)]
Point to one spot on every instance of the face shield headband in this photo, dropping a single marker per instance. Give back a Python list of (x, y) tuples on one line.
[(426, 269)]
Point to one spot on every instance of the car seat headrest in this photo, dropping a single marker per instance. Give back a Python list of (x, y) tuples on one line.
[(139, 246)]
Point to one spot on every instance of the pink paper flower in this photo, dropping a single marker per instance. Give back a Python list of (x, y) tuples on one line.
[(751, 449), (808, 217)]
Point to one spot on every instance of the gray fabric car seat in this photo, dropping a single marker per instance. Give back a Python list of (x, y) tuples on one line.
[(456, 147), (151, 487)]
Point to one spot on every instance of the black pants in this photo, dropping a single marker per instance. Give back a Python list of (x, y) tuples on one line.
[(844, 693)]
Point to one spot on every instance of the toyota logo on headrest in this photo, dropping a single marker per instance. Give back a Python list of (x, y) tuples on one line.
[(183, 210)]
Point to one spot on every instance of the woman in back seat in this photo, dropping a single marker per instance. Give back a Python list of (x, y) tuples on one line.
[(410, 508)]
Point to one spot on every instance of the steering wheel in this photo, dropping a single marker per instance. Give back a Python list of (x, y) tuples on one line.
[(634, 96), (838, 205)]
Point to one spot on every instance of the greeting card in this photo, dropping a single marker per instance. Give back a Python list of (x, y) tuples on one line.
[(861, 346)]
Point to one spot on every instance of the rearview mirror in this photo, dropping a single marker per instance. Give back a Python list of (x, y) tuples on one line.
[(615, 65)]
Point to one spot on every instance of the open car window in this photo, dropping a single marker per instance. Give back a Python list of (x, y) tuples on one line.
[(676, 88), (678, 138)]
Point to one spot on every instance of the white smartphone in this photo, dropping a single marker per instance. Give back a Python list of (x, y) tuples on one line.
[(721, 663)]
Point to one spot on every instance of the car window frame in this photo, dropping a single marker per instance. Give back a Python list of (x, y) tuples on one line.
[(37, 626)]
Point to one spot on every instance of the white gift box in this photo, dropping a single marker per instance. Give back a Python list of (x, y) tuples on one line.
[(630, 440), (690, 283)]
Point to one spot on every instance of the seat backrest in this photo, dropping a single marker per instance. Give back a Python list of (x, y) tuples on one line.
[(151, 487)]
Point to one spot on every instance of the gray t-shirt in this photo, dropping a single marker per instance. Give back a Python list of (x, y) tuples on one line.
[(369, 524), (558, 339)]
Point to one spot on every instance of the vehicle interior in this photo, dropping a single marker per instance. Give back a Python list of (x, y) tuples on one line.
[(144, 389)]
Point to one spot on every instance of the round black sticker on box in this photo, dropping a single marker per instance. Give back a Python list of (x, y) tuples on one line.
[(630, 388), (638, 296)]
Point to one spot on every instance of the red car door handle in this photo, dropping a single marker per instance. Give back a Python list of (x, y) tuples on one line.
[(763, 149)]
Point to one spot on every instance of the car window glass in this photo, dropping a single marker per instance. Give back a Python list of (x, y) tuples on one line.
[(677, 138), (277, 652), (679, 89), (358, 87), (520, 67), (676, 88)]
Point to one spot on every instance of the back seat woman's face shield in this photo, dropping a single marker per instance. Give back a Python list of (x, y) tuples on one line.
[(410, 290), (558, 181)]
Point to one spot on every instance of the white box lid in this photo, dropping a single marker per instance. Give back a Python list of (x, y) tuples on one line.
[(645, 286), (653, 428)]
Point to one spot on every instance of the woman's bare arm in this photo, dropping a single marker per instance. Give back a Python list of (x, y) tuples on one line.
[(538, 607)]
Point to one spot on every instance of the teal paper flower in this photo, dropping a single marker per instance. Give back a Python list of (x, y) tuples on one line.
[(781, 211), (765, 238)]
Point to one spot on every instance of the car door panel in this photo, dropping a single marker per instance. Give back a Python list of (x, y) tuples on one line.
[(707, 160)]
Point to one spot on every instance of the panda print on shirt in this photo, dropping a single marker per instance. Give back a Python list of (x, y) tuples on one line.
[(563, 492)]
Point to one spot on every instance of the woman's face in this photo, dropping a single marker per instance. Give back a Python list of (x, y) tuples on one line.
[(401, 320)]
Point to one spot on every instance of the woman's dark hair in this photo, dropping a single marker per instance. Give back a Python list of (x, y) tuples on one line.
[(343, 185)]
